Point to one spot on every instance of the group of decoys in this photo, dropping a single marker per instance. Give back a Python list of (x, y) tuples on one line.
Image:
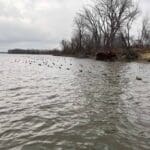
[(61, 66), (51, 64)]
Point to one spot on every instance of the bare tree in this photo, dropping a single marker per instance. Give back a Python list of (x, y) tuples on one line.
[(126, 29), (66, 46), (99, 25), (79, 30), (92, 26), (113, 16), (145, 33)]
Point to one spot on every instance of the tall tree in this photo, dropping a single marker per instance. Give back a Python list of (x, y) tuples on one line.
[(113, 16), (145, 33)]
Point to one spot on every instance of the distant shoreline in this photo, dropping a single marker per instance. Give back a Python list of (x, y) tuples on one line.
[(3, 52), (54, 52), (34, 51)]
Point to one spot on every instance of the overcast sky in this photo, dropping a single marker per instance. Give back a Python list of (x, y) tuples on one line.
[(40, 23)]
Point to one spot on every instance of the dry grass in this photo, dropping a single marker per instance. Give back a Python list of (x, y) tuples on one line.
[(143, 53), (145, 56)]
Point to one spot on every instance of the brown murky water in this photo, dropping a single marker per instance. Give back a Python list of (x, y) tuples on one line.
[(56, 103)]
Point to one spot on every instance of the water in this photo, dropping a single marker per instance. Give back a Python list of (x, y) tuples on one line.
[(56, 103)]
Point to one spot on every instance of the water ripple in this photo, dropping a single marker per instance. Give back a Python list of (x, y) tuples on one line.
[(47, 103)]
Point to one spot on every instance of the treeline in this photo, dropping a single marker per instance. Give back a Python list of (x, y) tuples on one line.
[(35, 51), (106, 25)]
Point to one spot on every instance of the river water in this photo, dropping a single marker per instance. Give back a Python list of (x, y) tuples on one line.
[(57, 103)]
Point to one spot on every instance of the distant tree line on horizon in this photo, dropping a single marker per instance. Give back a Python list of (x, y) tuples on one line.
[(35, 51), (106, 25)]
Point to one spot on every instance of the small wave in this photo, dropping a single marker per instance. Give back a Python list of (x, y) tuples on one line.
[(9, 133), (16, 88), (37, 146), (53, 96)]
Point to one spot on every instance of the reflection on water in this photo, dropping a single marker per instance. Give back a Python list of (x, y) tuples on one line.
[(49, 103)]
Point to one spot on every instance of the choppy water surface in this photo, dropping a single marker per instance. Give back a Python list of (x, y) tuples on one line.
[(56, 103)]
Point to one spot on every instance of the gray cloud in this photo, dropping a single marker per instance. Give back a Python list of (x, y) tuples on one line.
[(39, 23)]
